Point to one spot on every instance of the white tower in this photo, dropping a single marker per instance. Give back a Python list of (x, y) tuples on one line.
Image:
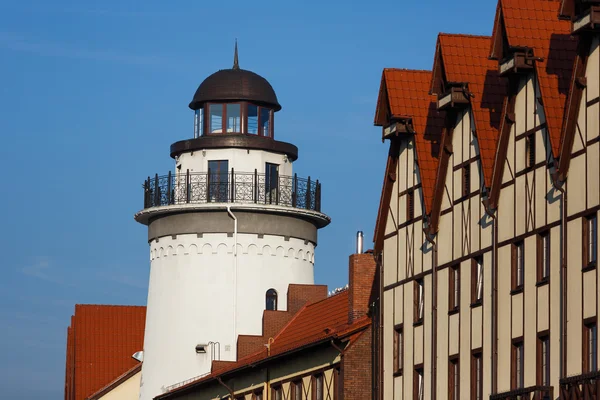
[(229, 230)]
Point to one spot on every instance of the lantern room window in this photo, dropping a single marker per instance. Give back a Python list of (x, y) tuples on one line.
[(245, 118)]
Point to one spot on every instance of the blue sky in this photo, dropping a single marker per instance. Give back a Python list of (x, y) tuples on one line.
[(93, 93)]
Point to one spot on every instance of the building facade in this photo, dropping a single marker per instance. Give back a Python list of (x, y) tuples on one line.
[(487, 233), (228, 231)]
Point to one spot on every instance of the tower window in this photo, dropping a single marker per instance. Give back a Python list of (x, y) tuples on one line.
[(271, 300), (198, 123), (234, 118), (265, 122), (218, 180), (215, 118)]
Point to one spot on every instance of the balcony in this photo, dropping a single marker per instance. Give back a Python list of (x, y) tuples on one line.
[(528, 393), (232, 187), (581, 387)]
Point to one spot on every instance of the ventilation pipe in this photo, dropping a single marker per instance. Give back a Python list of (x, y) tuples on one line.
[(359, 242)]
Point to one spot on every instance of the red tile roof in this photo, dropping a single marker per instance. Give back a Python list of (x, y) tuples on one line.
[(100, 343), (314, 323), (408, 97), (535, 24), (465, 60)]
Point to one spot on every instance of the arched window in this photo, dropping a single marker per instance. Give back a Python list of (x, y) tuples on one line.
[(271, 300)]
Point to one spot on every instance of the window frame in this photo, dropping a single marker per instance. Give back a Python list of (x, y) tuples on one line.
[(278, 388), (543, 257), (454, 377), (244, 129), (543, 371), (298, 383), (477, 374), (314, 389), (517, 359), (419, 384), (419, 302), (589, 365), (477, 271), (589, 242), (398, 349), (454, 289), (270, 294), (517, 266)]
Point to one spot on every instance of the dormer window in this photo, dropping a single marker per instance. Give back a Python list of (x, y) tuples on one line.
[(518, 60), (586, 16)]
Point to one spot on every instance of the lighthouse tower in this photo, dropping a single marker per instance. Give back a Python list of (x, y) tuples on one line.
[(229, 229)]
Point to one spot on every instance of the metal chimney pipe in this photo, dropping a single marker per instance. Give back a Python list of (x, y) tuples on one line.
[(359, 242)]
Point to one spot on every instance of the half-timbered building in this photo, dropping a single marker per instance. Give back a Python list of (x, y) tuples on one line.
[(487, 229)]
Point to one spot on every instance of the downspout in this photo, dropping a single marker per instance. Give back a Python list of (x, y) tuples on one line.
[(342, 354), (563, 281), (235, 269), (230, 390), (494, 357), (380, 328), (429, 238)]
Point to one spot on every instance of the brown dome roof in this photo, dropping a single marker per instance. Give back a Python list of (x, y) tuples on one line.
[(233, 85)]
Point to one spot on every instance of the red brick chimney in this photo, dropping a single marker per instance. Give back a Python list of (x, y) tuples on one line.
[(361, 274)]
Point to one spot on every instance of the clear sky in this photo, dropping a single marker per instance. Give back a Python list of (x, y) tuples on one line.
[(93, 93)]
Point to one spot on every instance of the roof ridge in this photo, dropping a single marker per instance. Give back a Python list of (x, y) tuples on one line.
[(407, 70), (467, 35), (107, 305)]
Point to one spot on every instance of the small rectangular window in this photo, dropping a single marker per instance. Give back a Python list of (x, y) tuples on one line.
[(271, 183), (215, 118), (477, 375), (454, 290), (590, 346), (466, 180), (198, 123), (454, 378), (418, 384), (257, 395), (410, 205), (543, 360), (277, 393), (543, 257), (218, 180), (477, 280), (234, 118), (518, 265), (590, 241), (252, 119), (297, 390), (318, 388), (419, 295), (530, 150), (265, 122), (398, 350), (518, 364)]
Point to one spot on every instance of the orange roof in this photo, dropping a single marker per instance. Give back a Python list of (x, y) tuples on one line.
[(535, 24), (465, 60), (408, 97), (101, 341), (314, 323)]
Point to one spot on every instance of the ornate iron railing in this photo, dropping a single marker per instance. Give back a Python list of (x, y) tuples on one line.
[(232, 187), (581, 387), (528, 393)]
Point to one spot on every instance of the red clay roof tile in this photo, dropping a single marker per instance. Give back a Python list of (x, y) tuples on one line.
[(465, 59), (535, 24), (408, 97), (102, 339)]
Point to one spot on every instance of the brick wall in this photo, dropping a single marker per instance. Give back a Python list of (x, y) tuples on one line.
[(357, 368), (299, 295), (361, 271)]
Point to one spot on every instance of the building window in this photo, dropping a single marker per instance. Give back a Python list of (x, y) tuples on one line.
[(271, 300), (234, 118), (466, 180), (543, 360), (477, 375), (218, 180), (398, 350), (518, 265), (297, 390), (410, 205), (318, 391), (530, 150), (198, 122), (543, 257), (418, 384), (215, 118), (454, 291), (590, 241), (257, 395), (277, 392), (419, 296), (477, 280), (590, 346), (265, 122), (454, 378), (271, 183), (518, 363)]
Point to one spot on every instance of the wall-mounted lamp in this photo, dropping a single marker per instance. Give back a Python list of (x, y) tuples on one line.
[(201, 348)]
